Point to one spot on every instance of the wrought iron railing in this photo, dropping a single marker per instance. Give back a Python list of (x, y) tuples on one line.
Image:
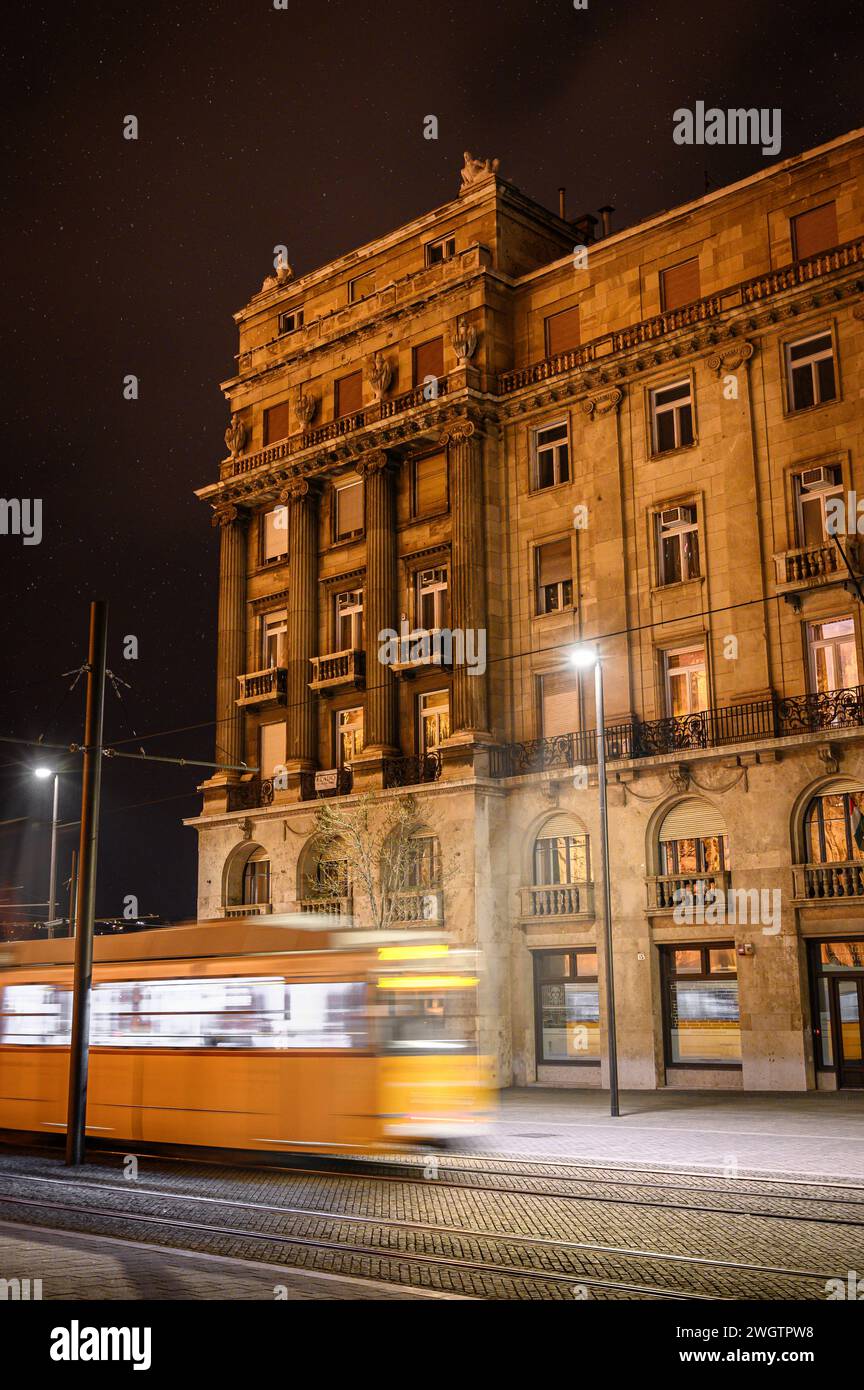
[(342, 784), (828, 882), (408, 772), (712, 728)]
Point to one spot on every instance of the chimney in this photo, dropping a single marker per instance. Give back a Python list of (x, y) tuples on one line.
[(584, 226), (606, 219), (562, 193)]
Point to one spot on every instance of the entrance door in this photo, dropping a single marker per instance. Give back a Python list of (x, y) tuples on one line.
[(848, 999)]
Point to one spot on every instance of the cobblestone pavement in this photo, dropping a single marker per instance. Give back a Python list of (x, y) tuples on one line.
[(458, 1225), (811, 1134)]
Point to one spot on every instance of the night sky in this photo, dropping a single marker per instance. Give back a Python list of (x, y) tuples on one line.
[(260, 126)]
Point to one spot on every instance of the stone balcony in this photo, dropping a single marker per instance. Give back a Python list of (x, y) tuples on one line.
[(828, 883), (262, 688), (561, 902), (338, 670), (334, 781), (248, 910), (665, 891), (417, 905), (341, 908), (814, 566)]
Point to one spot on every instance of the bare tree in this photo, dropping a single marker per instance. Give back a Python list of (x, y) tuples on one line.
[(373, 846)]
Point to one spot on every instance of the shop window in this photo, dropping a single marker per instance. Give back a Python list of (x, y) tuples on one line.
[(567, 1007), (701, 1014)]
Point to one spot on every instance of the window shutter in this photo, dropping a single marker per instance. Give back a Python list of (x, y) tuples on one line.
[(562, 331), (692, 820), (275, 537), (430, 484), (349, 509), (277, 424), (814, 231), (428, 360), (555, 562), (559, 713), (349, 394), (273, 745), (680, 284)]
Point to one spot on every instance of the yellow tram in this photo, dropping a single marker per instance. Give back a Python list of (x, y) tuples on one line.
[(287, 1037)]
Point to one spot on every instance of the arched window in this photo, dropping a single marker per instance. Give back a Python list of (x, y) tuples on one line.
[(693, 839), (834, 828), (326, 875), (561, 853), (256, 879)]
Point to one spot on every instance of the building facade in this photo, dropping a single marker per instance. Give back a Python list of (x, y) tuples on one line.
[(462, 450)]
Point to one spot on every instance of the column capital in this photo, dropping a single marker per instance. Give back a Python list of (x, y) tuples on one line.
[(602, 402), (227, 514), (377, 461), (297, 489), (458, 432)]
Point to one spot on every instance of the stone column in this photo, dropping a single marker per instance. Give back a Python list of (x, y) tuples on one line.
[(302, 636), (470, 712), (231, 657), (381, 732)]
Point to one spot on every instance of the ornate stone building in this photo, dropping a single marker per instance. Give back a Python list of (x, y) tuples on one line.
[(531, 432)]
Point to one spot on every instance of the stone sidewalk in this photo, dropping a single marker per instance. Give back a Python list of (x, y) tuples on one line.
[(818, 1135)]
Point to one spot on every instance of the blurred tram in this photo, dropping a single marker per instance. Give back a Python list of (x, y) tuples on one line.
[(290, 1037)]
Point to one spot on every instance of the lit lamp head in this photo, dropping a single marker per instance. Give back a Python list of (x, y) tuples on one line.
[(584, 658), (43, 772)]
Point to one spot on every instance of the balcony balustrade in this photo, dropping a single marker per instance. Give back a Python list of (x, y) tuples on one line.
[(339, 781), (338, 669), (828, 882), (417, 905), (665, 891), (342, 908), (557, 900), (410, 771), (815, 565), (755, 721), (268, 687), (248, 910)]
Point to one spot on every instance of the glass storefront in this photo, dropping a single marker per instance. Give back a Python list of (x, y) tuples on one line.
[(837, 977), (567, 1006), (700, 1016)]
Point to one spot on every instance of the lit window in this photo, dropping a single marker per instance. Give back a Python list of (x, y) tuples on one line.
[(349, 735), (551, 455), (561, 859), (701, 1016), (810, 371), (554, 563), (432, 600), (833, 656), (686, 681), (349, 621), (274, 630), (434, 711), (567, 1006), (813, 488), (834, 828), (672, 417), (677, 544), (256, 879)]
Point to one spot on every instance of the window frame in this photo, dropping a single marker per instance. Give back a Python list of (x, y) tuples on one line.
[(339, 760), (554, 448), (815, 804), (416, 514), (679, 529), (436, 587), (447, 245), (811, 361), (811, 647), (423, 750), (667, 686), (674, 408), (298, 314), (336, 538), (265, 619), (265, 560), (667, 956), (540, 589), (574, 977)]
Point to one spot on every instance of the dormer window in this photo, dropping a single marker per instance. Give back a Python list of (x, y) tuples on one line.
[(438, 251), (290, 321)]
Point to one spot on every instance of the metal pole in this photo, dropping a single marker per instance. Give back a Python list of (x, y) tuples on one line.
[(607, 893), (52, 902), (73, 892), (85, 910)]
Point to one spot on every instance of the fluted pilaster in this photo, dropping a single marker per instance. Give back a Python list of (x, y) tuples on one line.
[(381, 718), (302, 636), (231, 650), (470, 708)]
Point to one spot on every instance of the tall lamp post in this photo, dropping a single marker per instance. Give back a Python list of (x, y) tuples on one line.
[(583, 658), (43, 773)]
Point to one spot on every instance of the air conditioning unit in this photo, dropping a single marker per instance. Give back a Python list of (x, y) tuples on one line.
[(677, 516), (818, 479)]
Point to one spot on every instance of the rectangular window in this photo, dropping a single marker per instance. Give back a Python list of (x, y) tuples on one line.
[(551, 455), (679, 285), (433, 609), (274, 629), (677, 545), (813, 488), (271, 748), (686, 681), (349, 621), (814, 231), (348, 395), (360, 286), (833, 655), (441, 250), (348, 511), (434, 720), (429, 492), (428, 361), (274, 535), (810, 372), (554, 564), (701, 1018), (567, 1006), (562, 331), (290, 321), (561, 859), (560, 705), (672, 417), (277, 422), (349, 735)]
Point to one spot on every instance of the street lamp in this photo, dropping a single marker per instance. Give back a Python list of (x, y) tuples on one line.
[(583, 658), (43, 773)]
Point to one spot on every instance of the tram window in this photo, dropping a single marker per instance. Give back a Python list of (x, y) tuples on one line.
[(430, 1022), (225, 1012)]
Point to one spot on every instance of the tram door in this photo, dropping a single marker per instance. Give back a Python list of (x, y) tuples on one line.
[(848, 1010)]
